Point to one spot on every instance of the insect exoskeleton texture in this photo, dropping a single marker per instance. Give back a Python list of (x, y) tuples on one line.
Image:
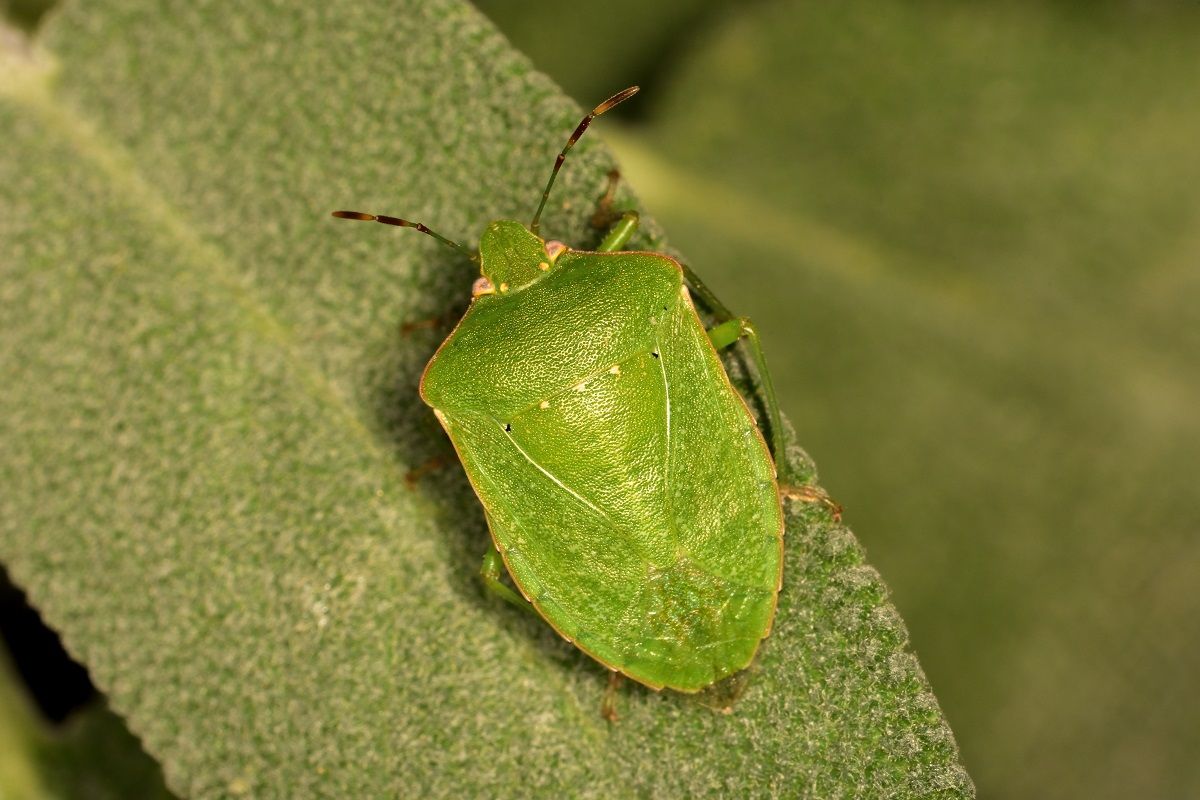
[(628, 490), (625, 482)]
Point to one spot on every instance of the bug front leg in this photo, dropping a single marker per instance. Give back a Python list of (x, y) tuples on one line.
[(619, 234), (491, 573), (605, 214), (626, 223)]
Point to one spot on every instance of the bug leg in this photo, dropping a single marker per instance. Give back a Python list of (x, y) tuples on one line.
[(723, 695), (605, 214), (728, 330), (619, 234), (443, 321), (624, 223), (416, 473), (731, 331), (407, 328), (446, 320), (491, 572), (726, 334), (608, 706), (708, 299), (812, 494)]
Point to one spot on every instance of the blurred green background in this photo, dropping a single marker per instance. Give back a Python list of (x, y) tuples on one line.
[(998, 206)]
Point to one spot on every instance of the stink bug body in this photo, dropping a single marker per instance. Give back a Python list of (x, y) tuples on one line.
[(626, 485)]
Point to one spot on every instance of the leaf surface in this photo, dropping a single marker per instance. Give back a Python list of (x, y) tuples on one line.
[(209, 408)]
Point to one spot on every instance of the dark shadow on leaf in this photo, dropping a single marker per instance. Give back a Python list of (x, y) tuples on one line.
[(409, 430)]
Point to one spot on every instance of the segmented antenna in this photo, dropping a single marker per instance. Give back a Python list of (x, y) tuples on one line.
[(403, 223), (619, 97)]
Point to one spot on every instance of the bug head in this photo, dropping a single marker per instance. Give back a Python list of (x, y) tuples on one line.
[(512, 257)]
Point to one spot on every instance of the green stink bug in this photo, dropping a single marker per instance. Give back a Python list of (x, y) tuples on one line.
[(628, 490)]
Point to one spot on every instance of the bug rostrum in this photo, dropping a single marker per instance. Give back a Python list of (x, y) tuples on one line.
[(628, 490)]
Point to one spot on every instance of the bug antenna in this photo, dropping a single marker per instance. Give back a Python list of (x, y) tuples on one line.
[(404, 223), (619, 97)]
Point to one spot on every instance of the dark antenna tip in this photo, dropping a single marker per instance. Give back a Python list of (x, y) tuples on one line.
[(404, 223), (617, 98)]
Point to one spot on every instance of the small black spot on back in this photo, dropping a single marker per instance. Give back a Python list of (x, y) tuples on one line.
[(654, 353), (508, 427)]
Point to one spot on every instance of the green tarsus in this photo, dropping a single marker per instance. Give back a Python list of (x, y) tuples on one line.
[(491, 571)]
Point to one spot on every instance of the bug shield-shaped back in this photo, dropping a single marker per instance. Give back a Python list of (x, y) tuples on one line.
[(511, 257)]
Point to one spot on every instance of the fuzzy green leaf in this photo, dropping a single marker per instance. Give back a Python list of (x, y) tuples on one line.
[(209, 407)]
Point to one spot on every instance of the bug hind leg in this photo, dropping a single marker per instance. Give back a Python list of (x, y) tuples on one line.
[(727, 333), (808, 493), (491, 572), (724, 694), (608, 706), (414, 475)]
